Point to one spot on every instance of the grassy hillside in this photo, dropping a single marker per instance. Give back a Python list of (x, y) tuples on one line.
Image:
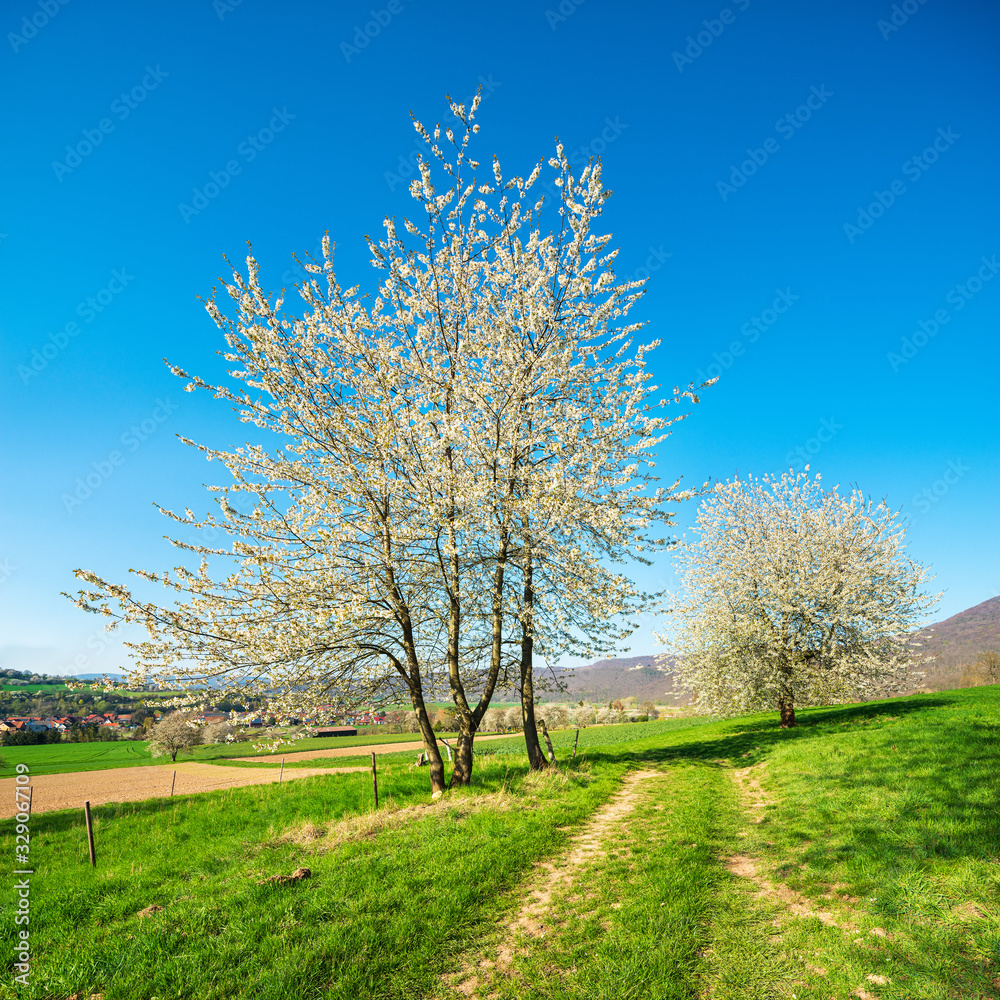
[(62, 758), (856, 855), (956, 641)]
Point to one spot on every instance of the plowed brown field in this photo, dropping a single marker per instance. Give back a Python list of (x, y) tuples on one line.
[(132, 784)]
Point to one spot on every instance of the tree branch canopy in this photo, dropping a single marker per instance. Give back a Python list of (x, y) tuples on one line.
[(486, 401), (795, 595)]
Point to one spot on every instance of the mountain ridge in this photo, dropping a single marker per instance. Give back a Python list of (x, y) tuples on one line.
[(953, 642), (956, 641)]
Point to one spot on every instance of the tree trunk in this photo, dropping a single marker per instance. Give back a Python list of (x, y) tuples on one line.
[(430, 742), (496, 645), (410, 672), (786, 706), (462, 771), (470, 718), (536, 758)]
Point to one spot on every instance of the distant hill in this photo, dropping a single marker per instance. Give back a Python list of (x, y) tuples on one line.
[(956, 641), (608, 680), (953, 643)]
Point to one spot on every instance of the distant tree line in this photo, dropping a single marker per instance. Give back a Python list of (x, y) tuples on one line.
[(985, 669), (29, 738), (27, 677), (77, 734)]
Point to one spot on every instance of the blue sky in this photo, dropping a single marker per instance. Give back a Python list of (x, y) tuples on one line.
[(813, 189)]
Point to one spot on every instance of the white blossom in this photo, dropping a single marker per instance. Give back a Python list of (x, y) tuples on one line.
[(437, 473), (795, 595)]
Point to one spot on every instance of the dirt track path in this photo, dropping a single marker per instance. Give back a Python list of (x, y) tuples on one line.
[(378, 748), (554, 880), (132, 784)]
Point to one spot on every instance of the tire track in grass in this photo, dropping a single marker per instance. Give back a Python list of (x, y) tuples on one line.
[(793, 903), (756, 800), (554, 881), (649, 911), (790, 904)]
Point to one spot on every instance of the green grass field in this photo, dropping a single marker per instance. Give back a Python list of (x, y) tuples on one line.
[(485, 746), (32, 688), (60, 758), (855, 856)]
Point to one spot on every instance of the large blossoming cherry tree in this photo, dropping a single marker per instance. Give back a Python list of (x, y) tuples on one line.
[(795, 595), (441, 477)]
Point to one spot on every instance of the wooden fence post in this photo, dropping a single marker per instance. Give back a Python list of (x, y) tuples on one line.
[(282, 771), (374, 779), (90, 834), (172, 783), (576, 740), (548, 741)]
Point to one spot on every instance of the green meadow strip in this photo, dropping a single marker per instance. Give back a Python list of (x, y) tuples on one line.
[(887, 816), (873, 870), (60, 758), (376, 918), (647, 917)]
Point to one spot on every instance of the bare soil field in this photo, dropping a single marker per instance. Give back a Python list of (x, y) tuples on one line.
[(70, 791), (132, 784)]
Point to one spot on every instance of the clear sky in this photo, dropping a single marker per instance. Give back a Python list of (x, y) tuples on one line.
[(812, 187)]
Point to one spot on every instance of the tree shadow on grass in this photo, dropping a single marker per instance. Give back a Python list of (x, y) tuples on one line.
[(908, 793), (750, 741)]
